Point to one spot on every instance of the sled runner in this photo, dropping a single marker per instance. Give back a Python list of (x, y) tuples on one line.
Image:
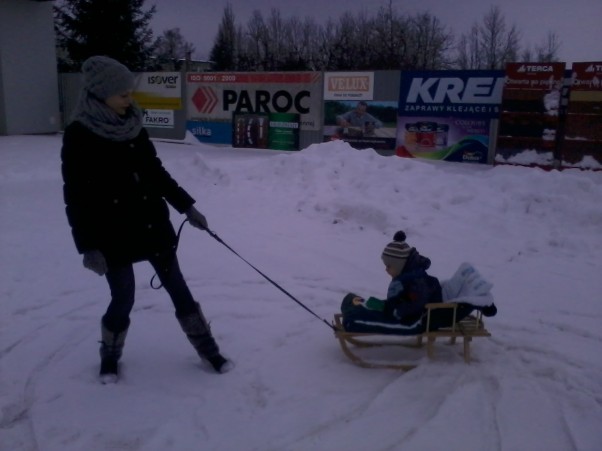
[(467, 328)]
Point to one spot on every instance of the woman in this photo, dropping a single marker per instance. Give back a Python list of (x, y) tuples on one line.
[(115, 191)]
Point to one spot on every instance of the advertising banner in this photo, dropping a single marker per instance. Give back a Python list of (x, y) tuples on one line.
[(529, 122), (159, 94), (459, 139), (447, 115), (214, 97), (158, 118), (276, 131), (284, 131), (582, 144), (363, 124), (159, 90), (348, 85), (250, 130)]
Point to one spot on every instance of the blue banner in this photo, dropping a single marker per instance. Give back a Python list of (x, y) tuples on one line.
[(459, 93)]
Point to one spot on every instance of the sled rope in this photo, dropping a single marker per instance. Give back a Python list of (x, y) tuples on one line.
[(219, 240), (175, 249)]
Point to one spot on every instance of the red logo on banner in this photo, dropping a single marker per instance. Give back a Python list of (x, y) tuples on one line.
[(204, 100)]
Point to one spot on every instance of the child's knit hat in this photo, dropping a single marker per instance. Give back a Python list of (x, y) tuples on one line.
[(105, 77), (396, 252)]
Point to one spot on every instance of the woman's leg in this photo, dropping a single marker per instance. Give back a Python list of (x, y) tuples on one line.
[(122, 284), (189, 313), (116, 320), (170, 276)]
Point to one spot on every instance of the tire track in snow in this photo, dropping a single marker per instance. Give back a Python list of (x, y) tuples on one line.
[(16, 414), (535, 371)]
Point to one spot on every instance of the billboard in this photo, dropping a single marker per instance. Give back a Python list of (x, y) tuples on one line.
[(582, 144), (448, 115), (352, 114), (284, 131), (530, 119), (213, 98), (362, 124), (159, 94), (277, 131), (159, 90)]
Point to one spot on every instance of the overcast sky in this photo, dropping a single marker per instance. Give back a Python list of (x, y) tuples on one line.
[(577, 23)]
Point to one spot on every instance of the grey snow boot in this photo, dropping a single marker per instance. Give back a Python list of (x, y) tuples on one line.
[(196, 328), (111, 347)]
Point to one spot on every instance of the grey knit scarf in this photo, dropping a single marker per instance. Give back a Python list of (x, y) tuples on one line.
[(99, 118)]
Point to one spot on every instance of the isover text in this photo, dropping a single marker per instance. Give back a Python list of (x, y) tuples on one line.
[(162, 79), (261, 101)]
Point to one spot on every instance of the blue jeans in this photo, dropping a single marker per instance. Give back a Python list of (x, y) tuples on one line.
[(123, 287)]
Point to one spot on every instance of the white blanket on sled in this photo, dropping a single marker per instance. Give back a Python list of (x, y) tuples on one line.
[(467, 285)]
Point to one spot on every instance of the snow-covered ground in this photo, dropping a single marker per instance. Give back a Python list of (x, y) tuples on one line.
[(316, 222)]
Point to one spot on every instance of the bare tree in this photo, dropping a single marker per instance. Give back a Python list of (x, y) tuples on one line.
[(548, 51), (527, 54), (498, 45), (469, 56), (245, 49), (489, 45), (390, 37), (385, 40), (365, 43), (343, 51), (256, 43), (302, 44), (325, 55), (429, 43), (275, 40)]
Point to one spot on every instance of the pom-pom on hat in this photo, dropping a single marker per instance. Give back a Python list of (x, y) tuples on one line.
[(396, 252), (105, 77)]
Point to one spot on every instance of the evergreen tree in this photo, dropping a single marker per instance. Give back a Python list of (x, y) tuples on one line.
[(115, 28), (223, 53), (172, 50)]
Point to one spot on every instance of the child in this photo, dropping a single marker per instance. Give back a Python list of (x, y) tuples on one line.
[(411, 288)]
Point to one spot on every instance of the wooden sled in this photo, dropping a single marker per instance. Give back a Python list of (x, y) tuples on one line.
[(468, 328)]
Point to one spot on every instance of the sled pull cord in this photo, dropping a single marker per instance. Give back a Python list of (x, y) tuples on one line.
[(217, 238)]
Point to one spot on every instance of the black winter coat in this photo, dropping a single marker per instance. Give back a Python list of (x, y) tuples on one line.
[(115, 196)]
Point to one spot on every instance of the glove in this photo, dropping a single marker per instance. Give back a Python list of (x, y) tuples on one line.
[(357, 301), (196, 218), (95, 261), (371, 303)]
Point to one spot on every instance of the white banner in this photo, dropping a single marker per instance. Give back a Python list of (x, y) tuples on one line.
[(348, 86), (158, 118)]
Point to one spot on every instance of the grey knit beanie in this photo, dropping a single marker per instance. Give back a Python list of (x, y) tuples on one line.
[(396, 252), (105, 77)]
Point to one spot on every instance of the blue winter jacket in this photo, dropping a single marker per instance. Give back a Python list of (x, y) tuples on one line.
[(410, 291)]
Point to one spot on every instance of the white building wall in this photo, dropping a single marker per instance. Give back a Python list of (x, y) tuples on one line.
[(29, 100)]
